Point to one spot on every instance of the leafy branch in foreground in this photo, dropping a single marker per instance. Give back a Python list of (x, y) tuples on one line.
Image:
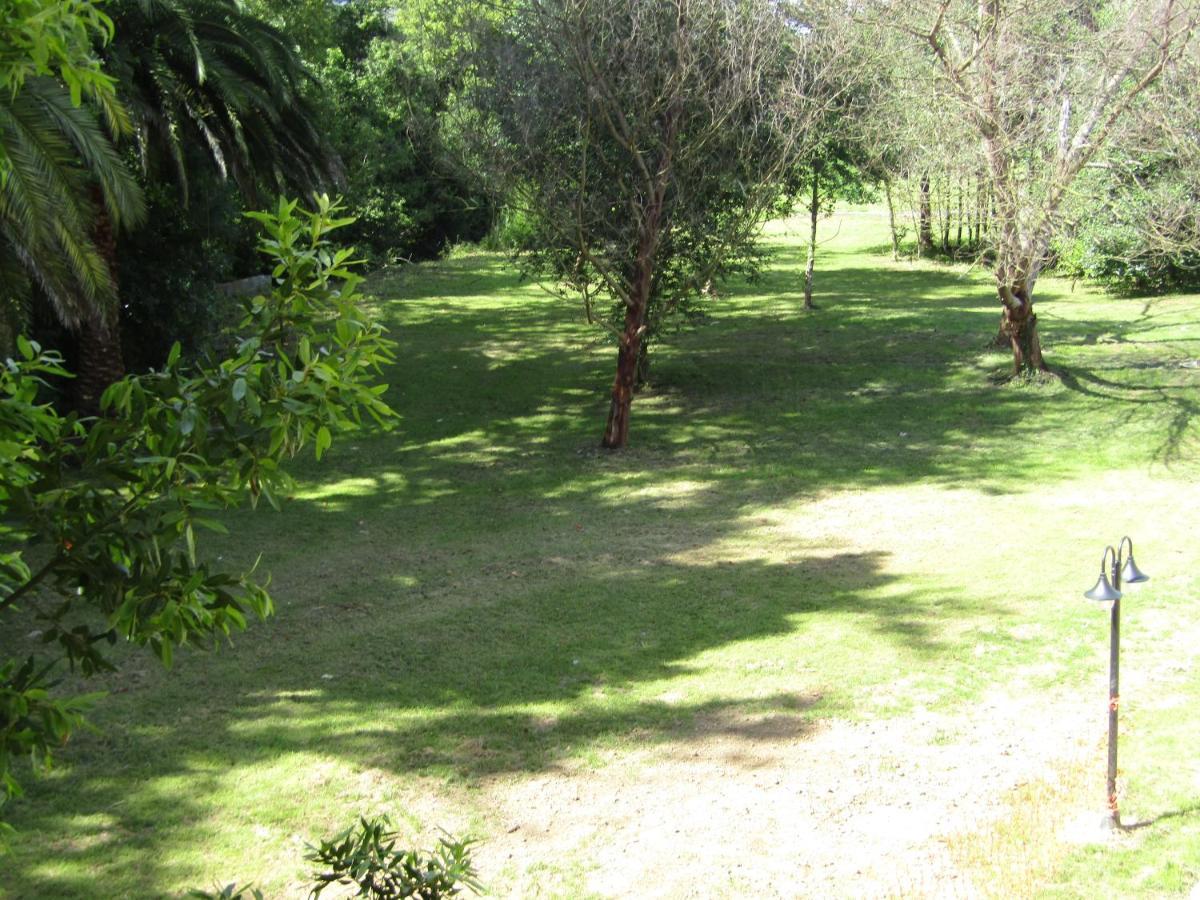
[(366, 857), (99, 517)]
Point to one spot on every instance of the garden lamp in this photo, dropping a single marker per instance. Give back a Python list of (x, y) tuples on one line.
[(1108, 590)]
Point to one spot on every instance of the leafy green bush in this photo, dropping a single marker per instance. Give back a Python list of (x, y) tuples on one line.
[(1137, 226), (513, 230), (366, 856), (410, 199), (100, 518), (1118, 254)]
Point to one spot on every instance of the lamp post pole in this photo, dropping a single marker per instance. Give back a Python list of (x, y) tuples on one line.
[(1114, 696), (1123, 570)]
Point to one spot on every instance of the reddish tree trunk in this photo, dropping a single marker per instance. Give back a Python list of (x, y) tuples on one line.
[(616, 429)]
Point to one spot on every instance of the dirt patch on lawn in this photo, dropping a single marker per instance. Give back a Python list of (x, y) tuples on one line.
[(782, 805)]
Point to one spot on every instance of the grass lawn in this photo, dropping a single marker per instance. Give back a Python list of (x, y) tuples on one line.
[(844, 519)]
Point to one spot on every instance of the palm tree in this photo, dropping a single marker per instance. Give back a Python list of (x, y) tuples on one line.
[(190, 72), (209, 73), (202, 73), (61, 169)]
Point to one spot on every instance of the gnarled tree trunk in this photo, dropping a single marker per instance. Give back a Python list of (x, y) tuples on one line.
[(1018, 326)]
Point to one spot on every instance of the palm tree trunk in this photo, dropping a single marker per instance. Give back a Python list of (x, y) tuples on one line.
[(101, 360)]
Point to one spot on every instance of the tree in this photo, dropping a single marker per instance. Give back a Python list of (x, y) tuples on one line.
[(57, 163), (198, 74), (1042, 87), (99, 518), (645, 142), (209, 74), (386, 75), (55, 37), (411, 197), (1134, 223), (834, 168)]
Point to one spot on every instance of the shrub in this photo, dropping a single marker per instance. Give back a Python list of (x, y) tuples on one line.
[(366, 856), (99, 518)]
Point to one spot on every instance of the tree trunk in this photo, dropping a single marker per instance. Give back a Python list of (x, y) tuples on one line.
[(1018, 326), (925, 219), (944, 208), (887, 189), (958, 242), (616, 429), (814, 211), (972, 220), (101, 360), (643, 365)]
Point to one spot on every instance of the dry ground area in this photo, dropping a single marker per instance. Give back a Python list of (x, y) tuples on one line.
[(754, 807)]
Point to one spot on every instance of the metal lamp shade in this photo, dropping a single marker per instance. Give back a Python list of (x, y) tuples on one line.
[(1103, 592), (1131, 574)]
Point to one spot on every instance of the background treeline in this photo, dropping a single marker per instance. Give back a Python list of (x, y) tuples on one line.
[(230, 104), (377, 100), (1132, 227)]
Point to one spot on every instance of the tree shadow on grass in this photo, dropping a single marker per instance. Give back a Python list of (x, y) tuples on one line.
[(508, 676), (1164, 388), (859, 395), (490, 594)]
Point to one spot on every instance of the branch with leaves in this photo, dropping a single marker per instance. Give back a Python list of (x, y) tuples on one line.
[(100, 518)]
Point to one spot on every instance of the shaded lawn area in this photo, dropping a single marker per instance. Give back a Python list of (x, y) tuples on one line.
[(845, 513)]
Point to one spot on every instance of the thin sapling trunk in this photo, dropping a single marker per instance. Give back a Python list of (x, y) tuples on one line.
[(814, 214)]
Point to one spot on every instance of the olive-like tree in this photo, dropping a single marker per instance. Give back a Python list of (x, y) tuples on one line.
[(1042, 87), (645, 143)]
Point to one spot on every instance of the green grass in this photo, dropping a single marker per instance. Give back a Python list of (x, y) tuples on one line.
[(845, 513)]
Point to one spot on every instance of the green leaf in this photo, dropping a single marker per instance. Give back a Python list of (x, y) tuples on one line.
[(324, 439), (239, 389)]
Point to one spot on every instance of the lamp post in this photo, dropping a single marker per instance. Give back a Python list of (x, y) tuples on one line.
[(1123, 571)]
